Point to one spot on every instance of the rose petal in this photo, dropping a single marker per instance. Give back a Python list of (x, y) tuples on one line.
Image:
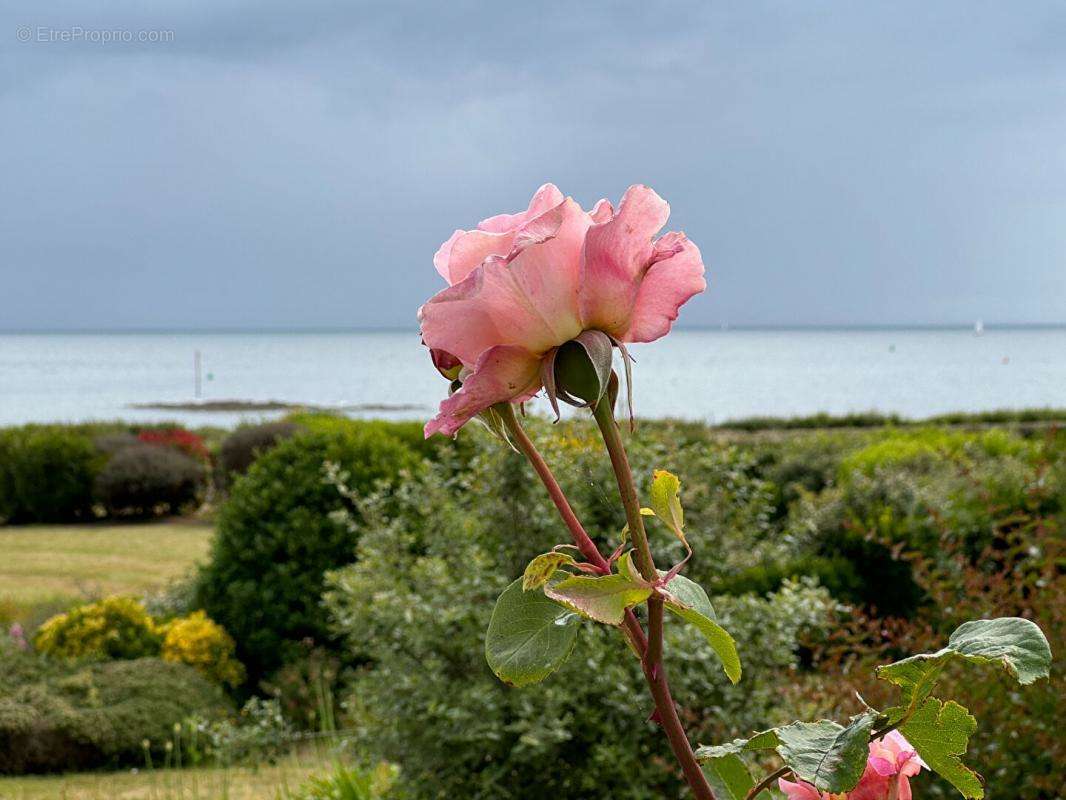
[(798, 791), (675, 276), (615, 256), (465, 250), (882, 766), (602, 211), (546, 197), (529, 300), (502, 374), (872, 786)]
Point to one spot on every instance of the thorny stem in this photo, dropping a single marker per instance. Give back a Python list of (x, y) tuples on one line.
[(654, 671)]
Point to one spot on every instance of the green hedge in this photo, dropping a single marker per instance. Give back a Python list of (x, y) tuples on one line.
[(47, 473)]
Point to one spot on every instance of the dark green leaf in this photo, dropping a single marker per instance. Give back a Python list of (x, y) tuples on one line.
[(529, 636), (761, 740), (828, 755), (764, 740), (1016, 644)]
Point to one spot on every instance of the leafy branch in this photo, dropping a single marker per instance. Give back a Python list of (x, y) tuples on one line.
[(832, 757)]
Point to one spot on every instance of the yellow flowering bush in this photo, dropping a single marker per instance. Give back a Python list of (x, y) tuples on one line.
[(120, 628), (115, 627), (203, 644)]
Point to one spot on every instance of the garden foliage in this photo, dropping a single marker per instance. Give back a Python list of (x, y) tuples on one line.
[(58, 716), (277, 536)]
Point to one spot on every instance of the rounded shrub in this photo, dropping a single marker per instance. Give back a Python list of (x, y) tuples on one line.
[(115, 627), (96, 715), (146, 479), (47, 473), (246, 444), (205, 646), (276, 536), (113, 442)]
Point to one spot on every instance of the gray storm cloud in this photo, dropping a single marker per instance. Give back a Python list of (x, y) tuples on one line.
[(297, 165)]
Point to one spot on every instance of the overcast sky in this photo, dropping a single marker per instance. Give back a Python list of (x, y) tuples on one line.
[(286, 164)]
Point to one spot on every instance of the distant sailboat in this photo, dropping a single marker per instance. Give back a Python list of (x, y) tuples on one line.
[(979, 328)]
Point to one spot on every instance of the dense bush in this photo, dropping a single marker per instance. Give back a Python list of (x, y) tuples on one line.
[(148, 479), (116, 627), (276, 537), (204, 645), (409, 432), (924, 449), (47, 473), (55, 717), (247, 443), (112, 442), (416, 603)]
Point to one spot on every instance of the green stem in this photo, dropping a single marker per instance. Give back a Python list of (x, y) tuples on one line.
[(654, 671)]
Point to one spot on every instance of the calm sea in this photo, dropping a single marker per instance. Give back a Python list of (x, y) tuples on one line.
[(696, 374)]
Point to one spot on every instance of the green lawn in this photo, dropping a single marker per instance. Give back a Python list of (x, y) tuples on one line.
[(263, 782), (49, 565)]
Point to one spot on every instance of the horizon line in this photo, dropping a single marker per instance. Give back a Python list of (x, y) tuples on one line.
[(719, 328)]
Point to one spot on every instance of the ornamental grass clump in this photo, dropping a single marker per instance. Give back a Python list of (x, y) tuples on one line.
[(539, 301)]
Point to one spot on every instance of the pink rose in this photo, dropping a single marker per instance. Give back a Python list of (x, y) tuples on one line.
[(891, 764), (522, 284)]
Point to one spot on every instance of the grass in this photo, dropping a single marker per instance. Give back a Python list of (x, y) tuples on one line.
[(53, 565), (261, 782)]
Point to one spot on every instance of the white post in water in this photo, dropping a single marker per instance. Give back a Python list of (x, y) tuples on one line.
[(196, 369)]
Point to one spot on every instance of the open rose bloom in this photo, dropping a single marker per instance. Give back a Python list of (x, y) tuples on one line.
[(522, 284), (890, 765)]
